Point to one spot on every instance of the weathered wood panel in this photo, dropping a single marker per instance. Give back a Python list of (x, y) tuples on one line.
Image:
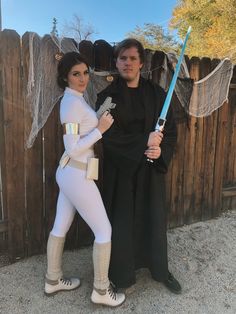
[(86, 48), (13, 130), (3, 195), (33, 162), (156, 64), (219, 158), (103, 56), (208, 152), (190, 156), (3, 211), (203, 168), (229, 180)]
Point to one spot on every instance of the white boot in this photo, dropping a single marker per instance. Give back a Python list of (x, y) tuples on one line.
[(103, 291), (54, 278), (107, 297), (62, 284)]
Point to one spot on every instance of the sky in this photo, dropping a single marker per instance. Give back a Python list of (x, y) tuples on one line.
[(111, 20)]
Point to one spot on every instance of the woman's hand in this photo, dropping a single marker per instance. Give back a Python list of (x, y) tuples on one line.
[(105, 122)]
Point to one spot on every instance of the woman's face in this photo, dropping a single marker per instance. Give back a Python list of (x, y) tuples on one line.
[(78, 77)]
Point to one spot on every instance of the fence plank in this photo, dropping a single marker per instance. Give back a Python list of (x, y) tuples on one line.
[(157, 62), (3, 191), (190, 156), (86, 48), (3, 211), (3, 226), (33, 163), (13, 113), (219, 160), (229, 180), (103, 54), (176, 217), (146, 71), (207, 153)]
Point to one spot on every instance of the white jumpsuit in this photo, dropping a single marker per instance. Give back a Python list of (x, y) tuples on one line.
[(77, 192)]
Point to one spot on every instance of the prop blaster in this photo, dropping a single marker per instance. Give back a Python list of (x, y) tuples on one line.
[(106, 106)]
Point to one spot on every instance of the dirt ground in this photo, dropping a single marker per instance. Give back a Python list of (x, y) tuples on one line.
[(202, 256)]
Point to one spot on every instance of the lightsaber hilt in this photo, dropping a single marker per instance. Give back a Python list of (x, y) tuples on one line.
[(159, 128), (160, 124)]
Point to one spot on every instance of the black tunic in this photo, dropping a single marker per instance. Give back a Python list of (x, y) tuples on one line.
[(134, 189)]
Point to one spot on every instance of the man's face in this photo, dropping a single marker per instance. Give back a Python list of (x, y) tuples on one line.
[(128, 64)]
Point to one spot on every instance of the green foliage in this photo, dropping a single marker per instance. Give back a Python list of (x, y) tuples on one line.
[(153, 37), (213, 27)]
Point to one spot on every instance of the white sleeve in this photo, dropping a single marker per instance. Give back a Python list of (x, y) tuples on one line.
[(74, 144)]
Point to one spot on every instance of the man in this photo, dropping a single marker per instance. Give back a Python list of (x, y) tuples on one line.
[(133, 188)]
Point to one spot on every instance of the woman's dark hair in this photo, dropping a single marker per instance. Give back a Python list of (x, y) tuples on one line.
[(65, 64), (129, 43)]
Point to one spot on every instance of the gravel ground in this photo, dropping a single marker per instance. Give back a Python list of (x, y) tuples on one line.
[(202, 256)]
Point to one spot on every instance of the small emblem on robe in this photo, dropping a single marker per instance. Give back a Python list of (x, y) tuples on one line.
[(109, 78)]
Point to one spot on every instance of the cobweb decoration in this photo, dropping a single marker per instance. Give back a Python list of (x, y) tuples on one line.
[(199, 99), (184, 84), (211, 92), (42, 89)]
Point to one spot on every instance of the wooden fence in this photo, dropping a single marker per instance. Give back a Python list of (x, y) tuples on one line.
[(201, 179)]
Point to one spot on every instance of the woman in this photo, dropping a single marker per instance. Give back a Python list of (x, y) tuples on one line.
[(81, 130)]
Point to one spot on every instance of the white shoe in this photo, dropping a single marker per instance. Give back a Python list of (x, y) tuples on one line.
[(107, 297), (62, 284)]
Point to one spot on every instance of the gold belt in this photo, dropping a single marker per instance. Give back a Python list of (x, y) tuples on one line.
[(77, 164), (91, 167)]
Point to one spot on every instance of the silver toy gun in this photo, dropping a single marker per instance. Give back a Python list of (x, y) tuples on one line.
[(106, 106)]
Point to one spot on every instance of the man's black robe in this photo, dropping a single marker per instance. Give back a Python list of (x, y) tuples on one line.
[(134, 189)]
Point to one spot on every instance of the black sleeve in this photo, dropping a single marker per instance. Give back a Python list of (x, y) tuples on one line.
[(124, 149), (168, 143)]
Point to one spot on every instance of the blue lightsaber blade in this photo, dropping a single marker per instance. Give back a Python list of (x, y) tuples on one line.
[(162, 119)]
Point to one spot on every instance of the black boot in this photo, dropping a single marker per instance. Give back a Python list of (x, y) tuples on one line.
[(172, 284)]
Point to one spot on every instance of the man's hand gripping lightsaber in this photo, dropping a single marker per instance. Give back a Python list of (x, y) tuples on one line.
[(162, 118)]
